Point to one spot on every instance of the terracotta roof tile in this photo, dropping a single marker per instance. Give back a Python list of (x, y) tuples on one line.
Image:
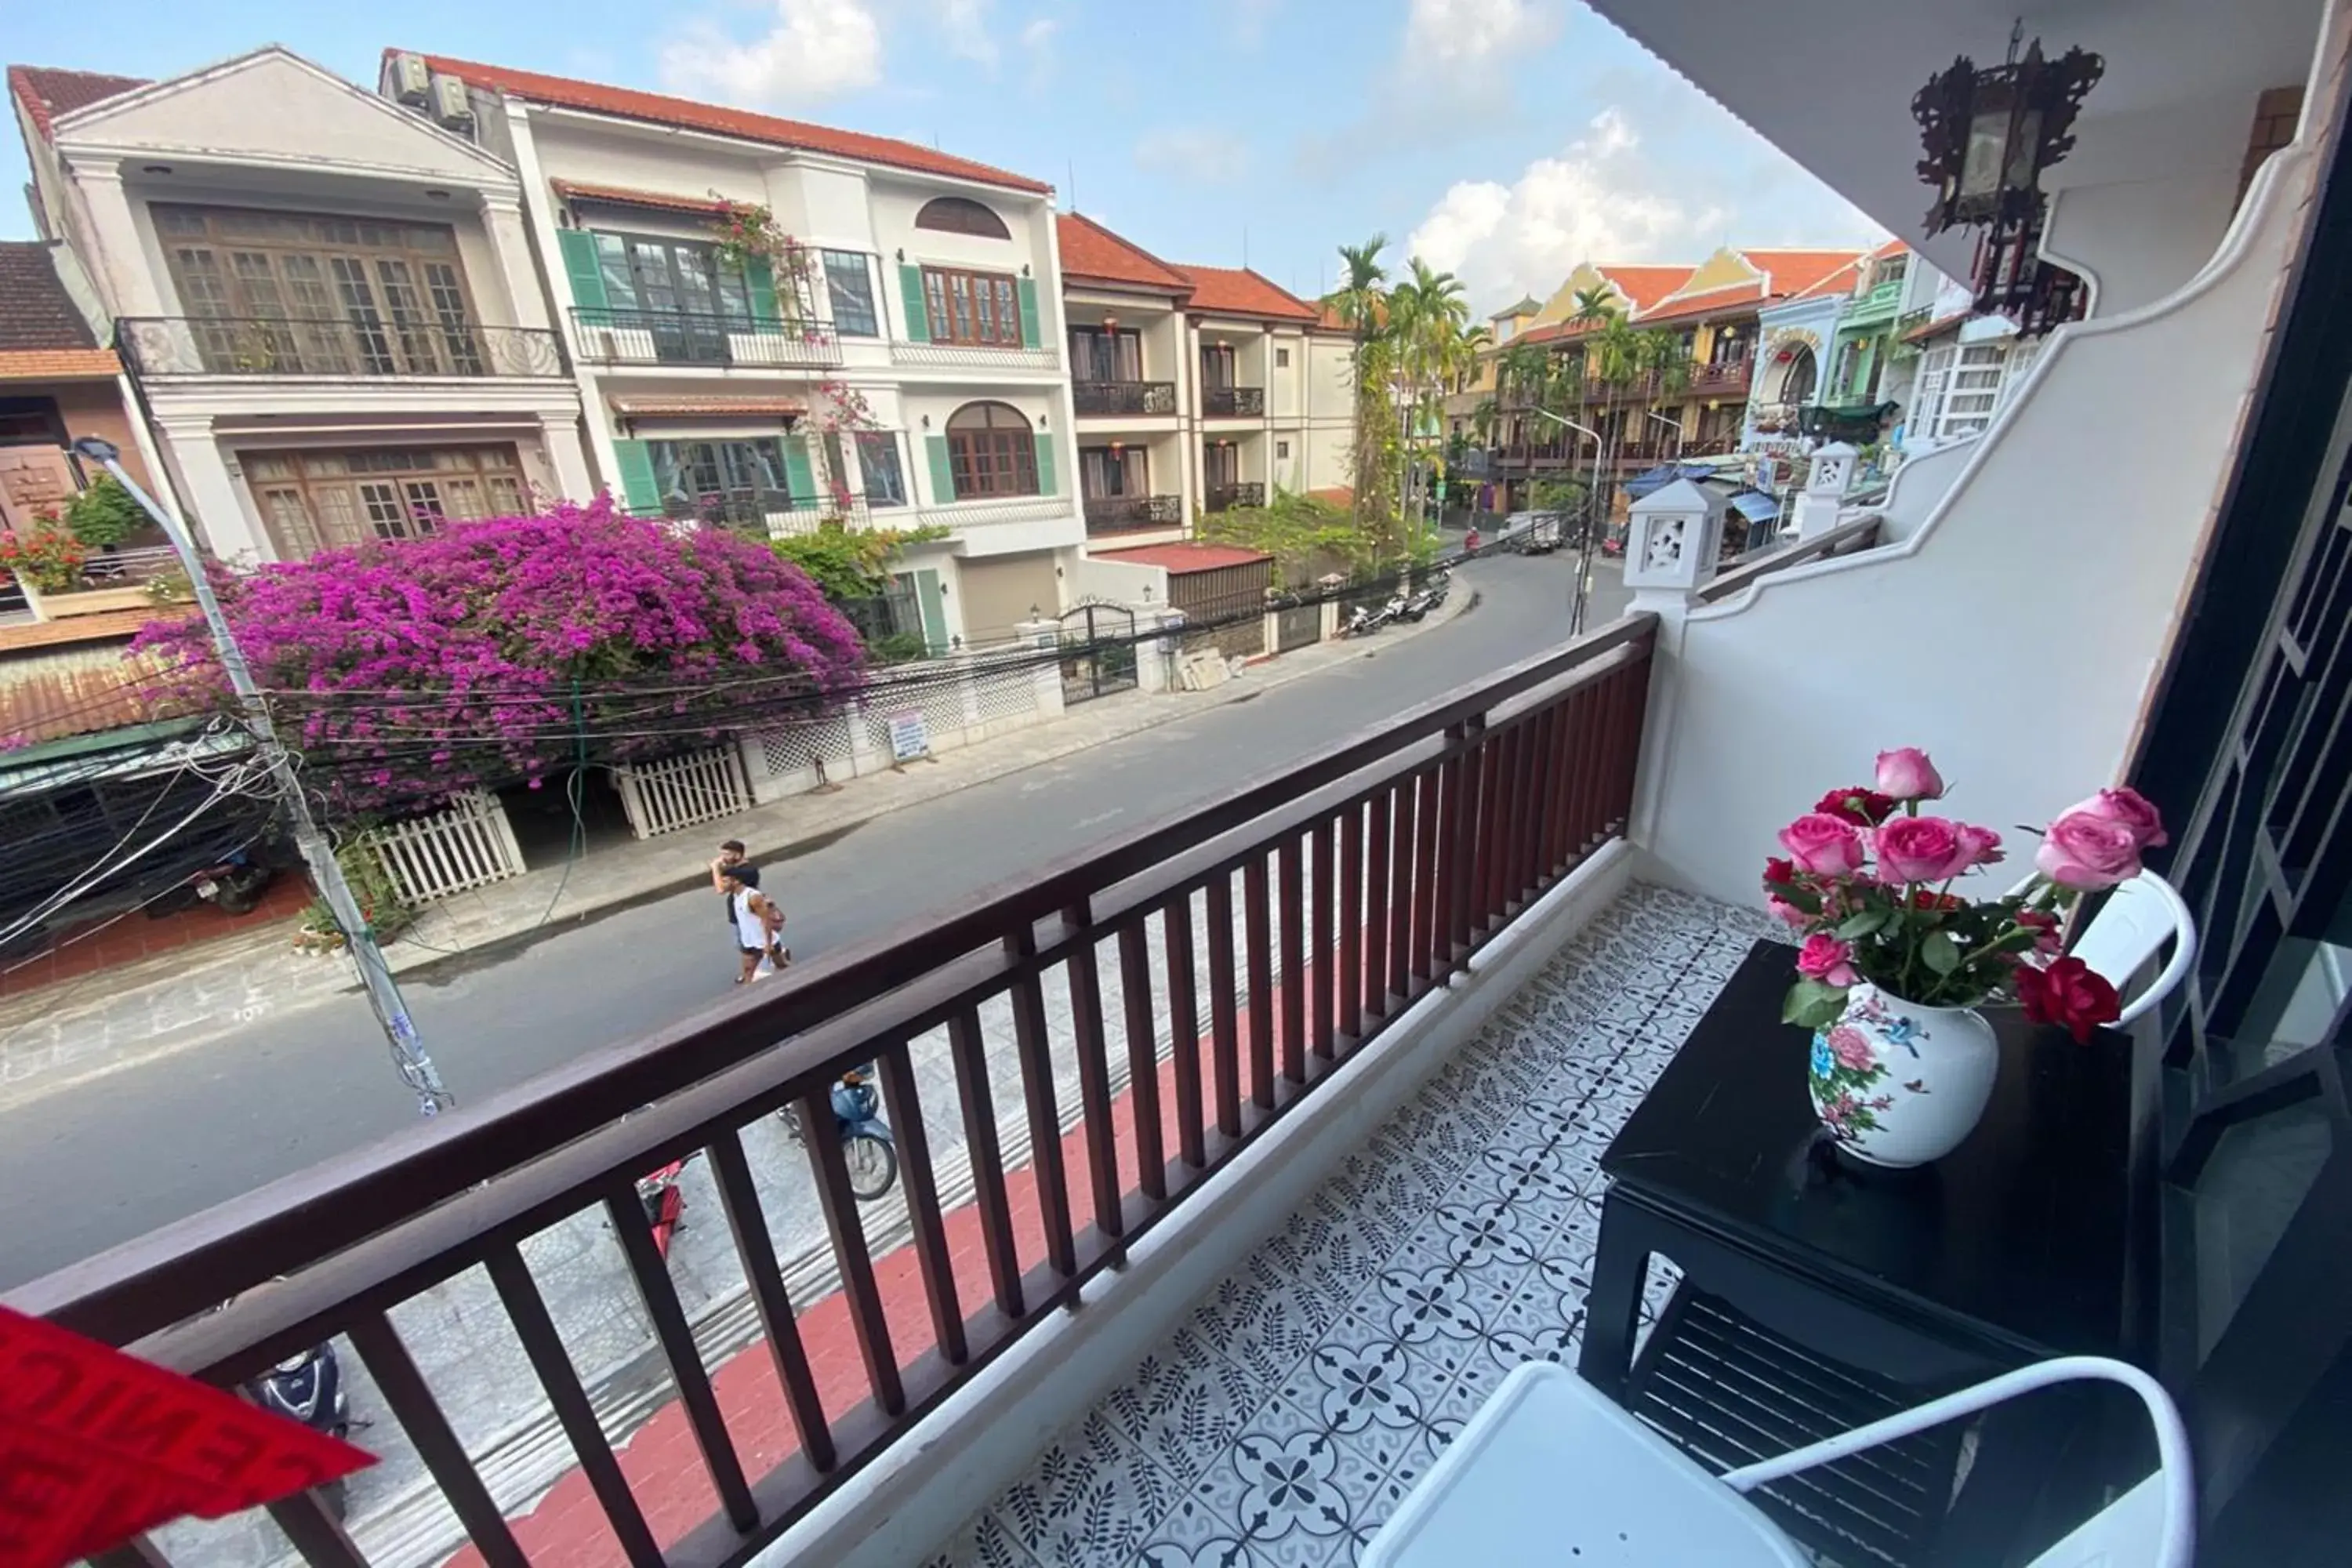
[(1091, 251), (1936, 328), (59, 703), (1794, 271), (35, 311), (1189, 555), (47, 92), (1839, 279), (1238, 291), (1645, 286), (659, 109), (623, 196), (1735, 297), (1891, 248), (58, 364)]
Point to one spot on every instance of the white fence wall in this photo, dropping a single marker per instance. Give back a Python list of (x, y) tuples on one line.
[(469, 844), (679, 791), (963, 699)]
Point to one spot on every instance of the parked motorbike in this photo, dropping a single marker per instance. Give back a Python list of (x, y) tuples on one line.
[(307, 1386), (1428, 596), (234, 885), (866, 1146), (663, 1201)]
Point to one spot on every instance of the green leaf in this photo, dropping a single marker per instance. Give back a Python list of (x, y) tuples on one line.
[(1813, 1004), (1865, 924), (1940, 952)]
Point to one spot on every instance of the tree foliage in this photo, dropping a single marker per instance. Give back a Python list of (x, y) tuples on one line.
[(1306, 536), (104, 514), (407, 671), (851, 562)]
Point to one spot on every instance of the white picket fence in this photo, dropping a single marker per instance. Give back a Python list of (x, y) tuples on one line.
[(678, 791), (467, 845)]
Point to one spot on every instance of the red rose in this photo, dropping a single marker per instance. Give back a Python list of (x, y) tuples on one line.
[(1778, 872), (2069, 993), (1863, 807), (1929, 898)]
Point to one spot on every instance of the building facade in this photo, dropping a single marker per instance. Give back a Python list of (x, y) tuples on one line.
[(899, 363), (56, 383), (330, 307)]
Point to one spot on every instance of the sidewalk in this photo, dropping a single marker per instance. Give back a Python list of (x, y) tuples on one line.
[(138, 1010)]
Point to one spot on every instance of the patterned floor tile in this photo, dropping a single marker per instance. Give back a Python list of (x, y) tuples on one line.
[(1303, 1397)]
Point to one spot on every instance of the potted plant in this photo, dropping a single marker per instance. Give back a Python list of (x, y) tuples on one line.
[(1894, 963), (44, 560), (104, 515)]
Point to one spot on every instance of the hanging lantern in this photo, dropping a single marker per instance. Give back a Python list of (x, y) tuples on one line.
[(1989, 134)]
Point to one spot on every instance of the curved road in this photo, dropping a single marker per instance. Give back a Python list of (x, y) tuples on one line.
[(97, 1164)]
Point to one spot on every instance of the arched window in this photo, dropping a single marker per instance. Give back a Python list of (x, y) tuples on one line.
[(961, 215), (991, 451), (1800, 376)]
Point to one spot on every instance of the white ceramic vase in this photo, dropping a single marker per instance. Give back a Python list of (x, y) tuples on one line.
[(1898, 1084)]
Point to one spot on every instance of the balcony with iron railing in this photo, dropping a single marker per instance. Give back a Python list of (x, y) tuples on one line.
[(156, 347), (611, 336), (1127, 514), (775, 514), (1096, 399), (1227, 495), (1232, 401)]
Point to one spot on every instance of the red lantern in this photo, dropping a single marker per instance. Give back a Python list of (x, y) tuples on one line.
[(1784, 356)]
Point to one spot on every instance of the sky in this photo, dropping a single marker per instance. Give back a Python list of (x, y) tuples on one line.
[(1502, 140)]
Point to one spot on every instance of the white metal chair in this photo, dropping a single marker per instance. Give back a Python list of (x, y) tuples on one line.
[(2131, 927), (1550, 1472)]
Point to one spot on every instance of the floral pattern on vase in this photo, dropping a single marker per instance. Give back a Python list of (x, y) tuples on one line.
[(1898, 1084)]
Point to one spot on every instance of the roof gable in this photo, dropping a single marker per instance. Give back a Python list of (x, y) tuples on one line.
[(659, 109), (1796, 272), (48, 92), (1643, 286), (1092, 252), (273, 103), (1238, 291)]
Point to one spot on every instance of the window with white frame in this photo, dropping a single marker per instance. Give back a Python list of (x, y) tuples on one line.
[(1974, 392)]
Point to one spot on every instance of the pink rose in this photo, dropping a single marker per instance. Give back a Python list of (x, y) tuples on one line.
[(2126, 808), (2088, 848), (1932, 849), (1826, 959), (1782, 910), (1824, 845), (1905, 774)]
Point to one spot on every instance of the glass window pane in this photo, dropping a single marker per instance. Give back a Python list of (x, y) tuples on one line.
[(877, 459), (850, 282), (620, 282)]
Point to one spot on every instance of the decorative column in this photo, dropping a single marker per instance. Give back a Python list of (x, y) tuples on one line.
[(502, 220), (1825, 493), (126, 281), (223, 522), (1674, 539)]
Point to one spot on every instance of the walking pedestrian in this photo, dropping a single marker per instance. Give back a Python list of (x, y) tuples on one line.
[(758, 924)]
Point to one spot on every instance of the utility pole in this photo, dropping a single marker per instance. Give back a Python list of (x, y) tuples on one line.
[(408, 1054)]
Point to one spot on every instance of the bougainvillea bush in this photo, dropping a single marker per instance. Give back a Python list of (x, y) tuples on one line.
[(407, 671)]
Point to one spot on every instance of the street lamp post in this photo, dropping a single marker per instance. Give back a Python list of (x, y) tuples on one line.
[(409, 1052), (1592, 522)]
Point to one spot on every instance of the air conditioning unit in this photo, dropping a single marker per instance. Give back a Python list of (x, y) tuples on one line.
[(412, 81), (451, 107)]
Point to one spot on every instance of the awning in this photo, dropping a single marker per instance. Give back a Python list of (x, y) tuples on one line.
[(1659, 478), (709, 407), (624, 196), (1756, 506)]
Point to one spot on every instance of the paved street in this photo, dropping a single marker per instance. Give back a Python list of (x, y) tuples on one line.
[(91, 1166)]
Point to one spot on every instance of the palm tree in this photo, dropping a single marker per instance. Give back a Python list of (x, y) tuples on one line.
[(1361, 304)]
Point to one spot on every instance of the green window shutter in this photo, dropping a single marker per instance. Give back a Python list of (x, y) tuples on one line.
[(580, 264), (639, 491), (759, 282), (1029, 316), (919, 319), (934, 614), (1045, 464), (799, 477), (942, 469)]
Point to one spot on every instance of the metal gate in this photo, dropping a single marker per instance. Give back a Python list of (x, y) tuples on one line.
[(1097, 652), (1298, 626)]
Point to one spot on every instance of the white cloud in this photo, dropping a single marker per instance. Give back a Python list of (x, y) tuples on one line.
[(1249, 21), (1191, 153), (816, 50), (965, 25), (1037, 43), (1594, 199), (1465, 32)]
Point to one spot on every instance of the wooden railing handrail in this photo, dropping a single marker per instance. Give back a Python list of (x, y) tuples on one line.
[(523, 1140)]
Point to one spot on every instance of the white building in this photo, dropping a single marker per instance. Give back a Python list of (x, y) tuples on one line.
[(1198, 388), (911, 376), (331, 305)]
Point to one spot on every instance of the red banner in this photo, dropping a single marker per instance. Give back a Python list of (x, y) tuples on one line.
[(97, 1446)]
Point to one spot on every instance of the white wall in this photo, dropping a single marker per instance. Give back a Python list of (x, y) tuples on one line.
[(1119, 581), (2014, 634)]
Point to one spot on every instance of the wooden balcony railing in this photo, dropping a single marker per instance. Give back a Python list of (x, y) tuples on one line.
[(1232, 401), (1132, 397), (1270, 935), (1713, 378), (1226, 497), (1111, 514)]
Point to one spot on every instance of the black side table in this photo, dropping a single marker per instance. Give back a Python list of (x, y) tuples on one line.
[(1817, 1294)]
